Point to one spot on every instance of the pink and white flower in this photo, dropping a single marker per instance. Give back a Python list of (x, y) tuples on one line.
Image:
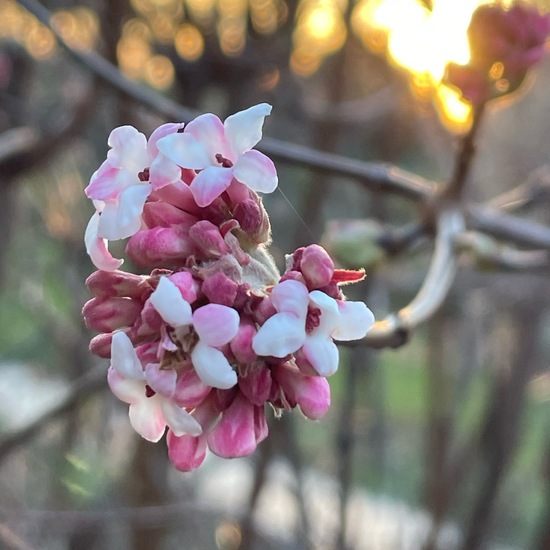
[(150, 412), (310, 321), (221, 152), (215, 325), (132, 170)]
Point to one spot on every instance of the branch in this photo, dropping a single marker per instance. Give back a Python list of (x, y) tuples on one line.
[(394, 330), (377, 177), (490, 254), (505, 227), (82, 388)]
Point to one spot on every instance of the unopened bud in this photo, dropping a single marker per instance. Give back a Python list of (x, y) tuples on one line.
[(208, 239), (316, 266), (253, 220), (103, 284), (220, 289), (164, 214), (109, 314), (310, 393), (159, 246)]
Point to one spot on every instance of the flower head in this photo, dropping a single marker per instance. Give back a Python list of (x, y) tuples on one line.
[(221, 152)]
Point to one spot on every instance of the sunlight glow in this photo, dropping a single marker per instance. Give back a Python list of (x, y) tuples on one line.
[(422, 42)]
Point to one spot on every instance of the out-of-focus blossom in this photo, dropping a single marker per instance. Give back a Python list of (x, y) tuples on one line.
[(504, 44)]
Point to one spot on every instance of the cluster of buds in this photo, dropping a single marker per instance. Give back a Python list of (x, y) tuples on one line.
[(504, 44), (212, 333)]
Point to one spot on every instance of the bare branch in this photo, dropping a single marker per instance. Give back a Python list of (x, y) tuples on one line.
[(82, 388), (509, 228), (489, 253), (393, 331)]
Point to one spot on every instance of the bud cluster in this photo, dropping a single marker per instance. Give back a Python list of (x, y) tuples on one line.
[(212, 333)]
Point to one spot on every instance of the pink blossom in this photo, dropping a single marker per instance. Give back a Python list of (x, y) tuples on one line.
[(214, 324), (310, 321), (223, 151), (121, 185), (150, 412)]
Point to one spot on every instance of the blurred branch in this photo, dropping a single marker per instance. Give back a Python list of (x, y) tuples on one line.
[(505, 227), (455, 189), (490, 254), (536, 188), (394, 330), (82, 388), (376, 177), (11, 540)]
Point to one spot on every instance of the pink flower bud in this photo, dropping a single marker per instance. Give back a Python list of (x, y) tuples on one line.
[(316, 266), (159, 246), (235, 435), (253, 219), (208, 239), (293, 275), (178, 194), (186, 285), (255, 383), (190, 390), (149, 323), (186, 452), (241, 345), (311, 393), (220, 289), (148, 352), (100, 345), (164, 214), (117, 283), (108, 314)]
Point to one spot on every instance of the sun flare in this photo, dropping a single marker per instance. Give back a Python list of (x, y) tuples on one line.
[(422, 41)]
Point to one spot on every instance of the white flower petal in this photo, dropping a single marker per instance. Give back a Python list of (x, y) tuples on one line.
[(213, 367), (356, 319), (291, 297), (210, 183), (147, 419), (322, 353), (97, 247), (256, 171), (215, 324), (128, 390), (244, 129), (208, 130), (185, 150), (170, 304), (179, 420), (163, 172), (129, 148), (124, 358), (280, 335)]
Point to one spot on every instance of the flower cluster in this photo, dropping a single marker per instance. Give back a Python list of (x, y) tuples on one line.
[(504, 44), (212, 333)]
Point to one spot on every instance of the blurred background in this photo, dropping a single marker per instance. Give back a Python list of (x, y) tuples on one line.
[(442, 444)]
